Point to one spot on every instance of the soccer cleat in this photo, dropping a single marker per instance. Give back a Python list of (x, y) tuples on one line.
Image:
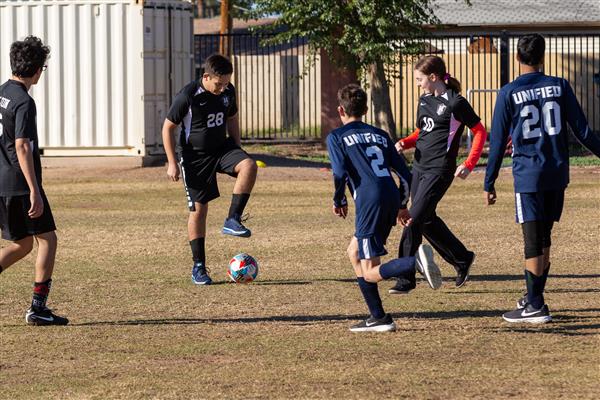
[(463, 273), (522, 302), (200, 275), (44, 317), (385, 324), (529, 314), (234, 227), (403, 286), (431, 271)]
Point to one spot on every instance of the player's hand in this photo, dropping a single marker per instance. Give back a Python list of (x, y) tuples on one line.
[(37, 205), (462, 172), (173, 172), (404, 217), (490, 197), (399, 146), (340, 211)]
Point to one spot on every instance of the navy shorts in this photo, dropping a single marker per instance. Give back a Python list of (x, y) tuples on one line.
[(16, 224), (199, 171), (373, 226), (539, 206)]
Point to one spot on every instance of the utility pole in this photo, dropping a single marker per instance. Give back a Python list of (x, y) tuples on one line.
[(226, 25)]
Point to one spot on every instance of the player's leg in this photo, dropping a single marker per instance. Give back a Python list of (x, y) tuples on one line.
[(44, 231), (238, 163), (196, 235), (530, 214), (200, 184), (15, 251)]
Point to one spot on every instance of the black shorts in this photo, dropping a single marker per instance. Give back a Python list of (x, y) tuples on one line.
[(199, 171), (16, 224)]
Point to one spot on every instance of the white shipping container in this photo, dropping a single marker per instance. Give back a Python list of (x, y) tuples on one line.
[(114, 67)]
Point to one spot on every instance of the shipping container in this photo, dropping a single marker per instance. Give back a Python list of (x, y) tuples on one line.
[(114, 67)]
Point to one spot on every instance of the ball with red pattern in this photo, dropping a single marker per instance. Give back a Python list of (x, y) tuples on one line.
[(243, 268)]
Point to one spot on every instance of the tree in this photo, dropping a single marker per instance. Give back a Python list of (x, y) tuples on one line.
[(368, 34)]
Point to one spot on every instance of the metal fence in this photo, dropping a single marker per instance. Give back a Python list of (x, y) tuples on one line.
[(276, 105)]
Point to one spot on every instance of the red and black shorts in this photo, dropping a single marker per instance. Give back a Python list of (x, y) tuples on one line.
[(199, 171), (15, 222)]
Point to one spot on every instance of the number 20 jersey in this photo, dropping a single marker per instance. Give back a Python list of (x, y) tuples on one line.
[(534, 110)]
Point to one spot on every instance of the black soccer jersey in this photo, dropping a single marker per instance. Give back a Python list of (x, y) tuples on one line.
[(17, 121), (441, 120), (203, 116)]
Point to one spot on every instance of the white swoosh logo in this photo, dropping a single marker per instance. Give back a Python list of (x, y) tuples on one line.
[(203, 104), (528, 314), (371, 324), (422, 104), (49, 319)]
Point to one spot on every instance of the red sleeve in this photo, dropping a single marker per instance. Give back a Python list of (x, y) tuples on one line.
[(411, 140), (479, 137)]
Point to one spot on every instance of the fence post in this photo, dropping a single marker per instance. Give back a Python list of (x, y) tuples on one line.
[(504, 59)]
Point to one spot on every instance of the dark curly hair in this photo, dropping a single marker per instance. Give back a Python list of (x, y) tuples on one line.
[(28, 56), (530, 49)]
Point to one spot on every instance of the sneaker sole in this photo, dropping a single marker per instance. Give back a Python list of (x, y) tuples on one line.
[(468, 272), (379, 328), (201, 283), (394, 291), (231, 232), (430, 270), (532, 320)]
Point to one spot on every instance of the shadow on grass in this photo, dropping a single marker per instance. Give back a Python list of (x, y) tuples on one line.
[(307, 319), (520, 277), (555, 328), (278, 161)]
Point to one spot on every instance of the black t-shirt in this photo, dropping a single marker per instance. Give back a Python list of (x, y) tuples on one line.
[(441, 121), (203, 117), (17, 121)]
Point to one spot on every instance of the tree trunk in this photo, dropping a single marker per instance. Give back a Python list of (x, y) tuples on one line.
[(380, 94)]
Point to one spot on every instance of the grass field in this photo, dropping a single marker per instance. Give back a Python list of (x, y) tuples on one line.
[(141, 330)]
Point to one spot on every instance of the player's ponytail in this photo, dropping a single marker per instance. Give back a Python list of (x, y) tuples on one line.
[(435, 65)]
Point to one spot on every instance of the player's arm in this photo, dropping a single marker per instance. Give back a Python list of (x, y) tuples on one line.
[(340, 177), (233, 129), (24, 134), (168, 138), (498, 138), (466, 115), (578, 122), (408, 142), (179, 109)]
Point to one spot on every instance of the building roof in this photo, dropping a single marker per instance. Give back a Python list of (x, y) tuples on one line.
[(518, 12)]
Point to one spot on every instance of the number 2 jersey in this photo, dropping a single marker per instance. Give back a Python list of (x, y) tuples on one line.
[(534, 110), (203, 117), (363, 157)]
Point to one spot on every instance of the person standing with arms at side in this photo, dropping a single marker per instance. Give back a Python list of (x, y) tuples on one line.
[(441, 118), (25, 214), (208, 142), (363, 157), (533, 111)]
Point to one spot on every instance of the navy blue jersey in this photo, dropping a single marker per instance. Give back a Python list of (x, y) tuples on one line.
[(364, 156), (534, 110)]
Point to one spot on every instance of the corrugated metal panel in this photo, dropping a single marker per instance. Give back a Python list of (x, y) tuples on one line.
[(113, 69)]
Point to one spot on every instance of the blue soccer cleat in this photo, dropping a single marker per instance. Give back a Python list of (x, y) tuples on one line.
[(234, 227), (200, 275)]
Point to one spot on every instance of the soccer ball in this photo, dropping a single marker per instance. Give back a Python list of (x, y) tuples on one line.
[(243, 268)]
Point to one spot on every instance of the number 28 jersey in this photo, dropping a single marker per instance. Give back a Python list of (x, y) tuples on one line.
[(534, 110), (203, 117)]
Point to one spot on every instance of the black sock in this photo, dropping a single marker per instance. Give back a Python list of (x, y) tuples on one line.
[(371, 294), (197, 246), (535, 289), (238, 203), (40, 294)]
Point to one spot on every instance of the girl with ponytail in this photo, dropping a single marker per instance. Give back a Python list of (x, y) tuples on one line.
[(441, 118)]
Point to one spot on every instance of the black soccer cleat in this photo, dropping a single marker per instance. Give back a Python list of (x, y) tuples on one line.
[(462, 273), (385, 324), (403, 285), (44, 317), (529, 314)]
